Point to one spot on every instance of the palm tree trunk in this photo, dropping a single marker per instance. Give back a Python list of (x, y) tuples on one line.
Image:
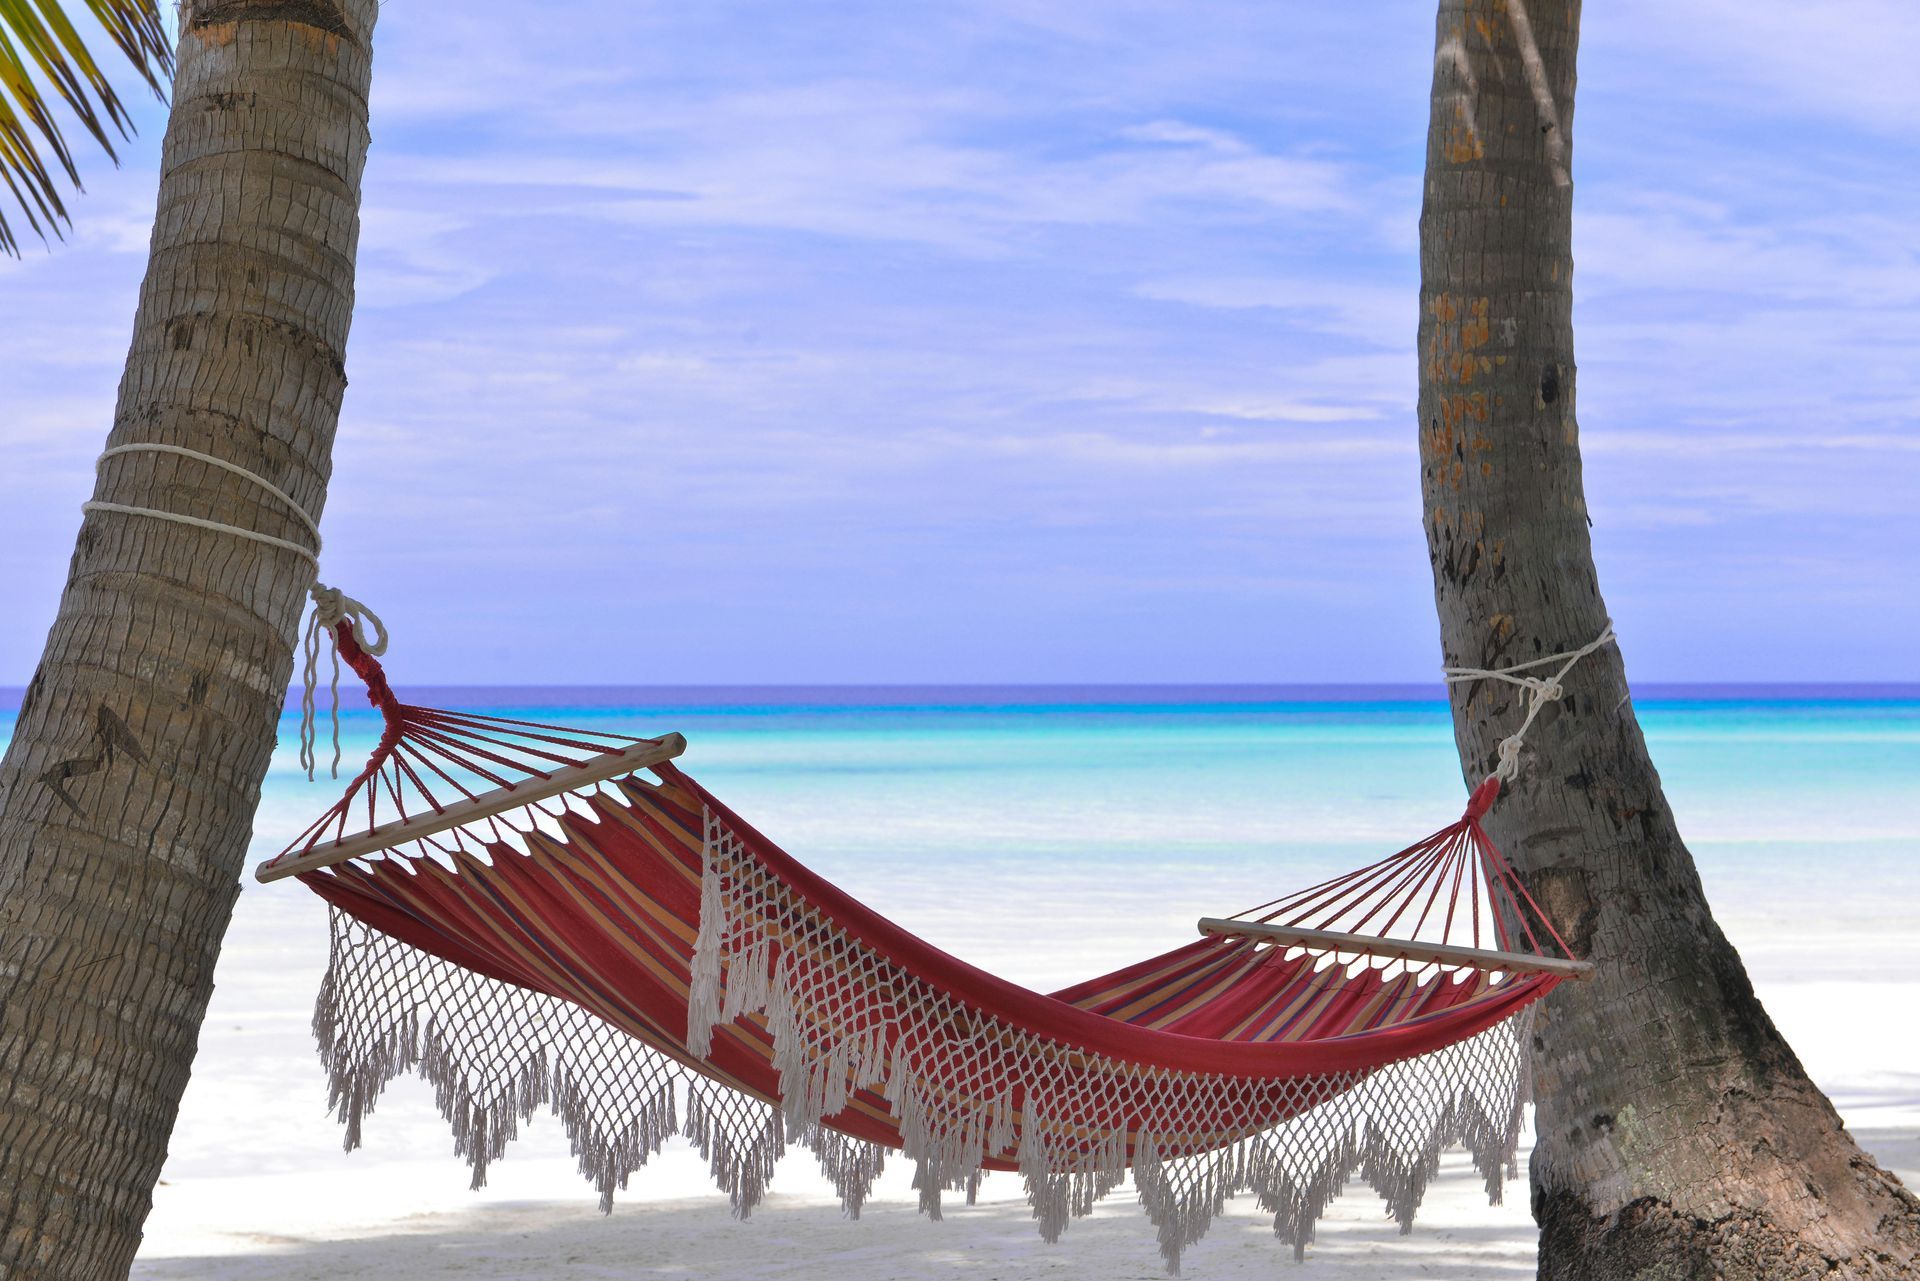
[(128, 792), (1678, 1135)]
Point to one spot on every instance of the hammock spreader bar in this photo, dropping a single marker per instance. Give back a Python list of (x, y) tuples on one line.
[(1395, 949), (531, 914), (473, 809)]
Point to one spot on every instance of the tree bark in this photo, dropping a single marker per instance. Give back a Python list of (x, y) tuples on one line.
[(1678, 1135), (127, 794)]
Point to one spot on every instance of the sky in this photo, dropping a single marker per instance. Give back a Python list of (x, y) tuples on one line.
[(1000, 341)]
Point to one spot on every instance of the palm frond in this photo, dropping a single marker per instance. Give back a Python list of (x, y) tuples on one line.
[(43, 56)]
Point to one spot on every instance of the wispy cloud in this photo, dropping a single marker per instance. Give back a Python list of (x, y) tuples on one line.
[(850, 335), (879, 162), (1355, 309), (1849, 61)]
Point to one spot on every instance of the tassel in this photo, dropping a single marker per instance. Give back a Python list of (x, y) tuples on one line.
[(495, 1053)]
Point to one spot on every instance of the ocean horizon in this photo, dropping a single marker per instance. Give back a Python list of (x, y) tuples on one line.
[(1040, 694), (1217, 796)]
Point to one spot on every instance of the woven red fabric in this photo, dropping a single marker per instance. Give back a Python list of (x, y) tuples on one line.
[(639, 957), (606, 917)]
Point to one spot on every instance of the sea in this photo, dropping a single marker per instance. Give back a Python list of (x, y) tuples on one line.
[(956, 805), (1051, 833), (982, 815)]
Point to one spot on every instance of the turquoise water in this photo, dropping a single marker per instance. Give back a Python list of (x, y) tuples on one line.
[(975, 813), (1054, 834)]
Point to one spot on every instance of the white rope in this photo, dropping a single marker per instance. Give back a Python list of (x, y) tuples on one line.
[(182, 451), (1541, 690), (331, 607), (198, 523)]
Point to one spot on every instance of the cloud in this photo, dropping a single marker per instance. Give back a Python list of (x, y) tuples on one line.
[(1844, 60), (842, 336), (1091, 449), (410, 256), (874, 162), (1383, 315), (1724, 444), (1639, 238)]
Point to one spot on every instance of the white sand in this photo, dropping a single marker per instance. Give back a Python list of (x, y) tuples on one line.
[(257, 1187)]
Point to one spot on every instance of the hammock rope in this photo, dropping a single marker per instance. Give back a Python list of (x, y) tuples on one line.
[(1541, 690), (311, 555), (331, 607)]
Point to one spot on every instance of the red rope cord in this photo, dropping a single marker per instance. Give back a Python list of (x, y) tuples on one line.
[(1404, 899), (1459, 863), (1413, 873), (1288, 902), (428, 751), (1408, 883), (560, 735), (401, 763), (1474, 905), (427, 762), (462, 727), (1358, 883), (482, 717), (1427, 909), (1513, 885), (471, 763), (469, 737), (390, 777)]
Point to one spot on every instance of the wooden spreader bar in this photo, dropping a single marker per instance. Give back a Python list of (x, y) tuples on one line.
[(1396, 949), (566, 778)]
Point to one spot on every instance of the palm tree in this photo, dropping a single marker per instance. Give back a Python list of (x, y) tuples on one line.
[(1678, 1135), (128, 791), (43, 38)]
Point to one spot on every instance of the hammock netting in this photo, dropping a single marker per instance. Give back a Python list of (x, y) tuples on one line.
[(614, 944)]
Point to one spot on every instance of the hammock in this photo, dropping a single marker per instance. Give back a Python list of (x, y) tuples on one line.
[(529, 915)]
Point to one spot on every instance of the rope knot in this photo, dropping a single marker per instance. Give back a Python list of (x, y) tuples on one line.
[(1546, 689), (331, 608), (1509, 767), (329, 605), (1541, 690)]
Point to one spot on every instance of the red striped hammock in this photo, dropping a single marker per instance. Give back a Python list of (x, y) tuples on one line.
[(587, 928)]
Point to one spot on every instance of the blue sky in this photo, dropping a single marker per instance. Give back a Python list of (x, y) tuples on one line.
[(1071, 341)]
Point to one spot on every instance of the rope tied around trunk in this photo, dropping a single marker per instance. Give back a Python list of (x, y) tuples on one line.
[(331, 607), (1541, 690)]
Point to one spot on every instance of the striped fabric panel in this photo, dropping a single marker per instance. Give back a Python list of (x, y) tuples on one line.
[(606, 920), (1288, 1010), (1163, 997), (606, 913)]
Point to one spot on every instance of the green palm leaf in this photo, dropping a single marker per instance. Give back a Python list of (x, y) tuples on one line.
[(42, 56)]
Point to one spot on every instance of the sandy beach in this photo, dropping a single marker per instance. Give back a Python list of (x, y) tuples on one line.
[(1081, 864), (229, 1229), (257, 1186)]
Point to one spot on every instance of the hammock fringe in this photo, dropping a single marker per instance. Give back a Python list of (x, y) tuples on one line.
[(758, 944), (525, 922), (495, 1053)]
